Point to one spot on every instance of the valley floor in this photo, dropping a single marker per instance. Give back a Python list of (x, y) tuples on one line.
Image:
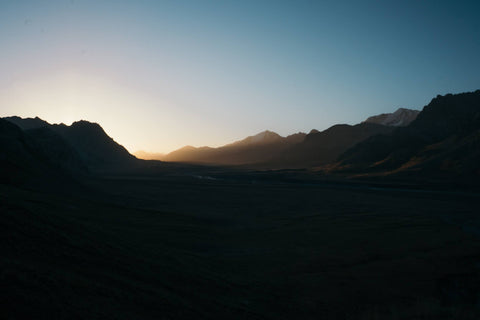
[(199, 247)]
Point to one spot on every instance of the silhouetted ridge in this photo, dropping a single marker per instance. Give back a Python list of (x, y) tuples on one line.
[(264, 137), (450, 114), (94, 146), (444, 138), (267, 149), (35, 158), (28, 123), (321, 147), (75, 147)]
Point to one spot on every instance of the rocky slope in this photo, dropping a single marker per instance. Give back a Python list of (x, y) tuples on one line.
[(443, 140), (400, 118)]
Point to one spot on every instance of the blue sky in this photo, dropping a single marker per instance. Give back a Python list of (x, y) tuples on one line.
[(158, 75)]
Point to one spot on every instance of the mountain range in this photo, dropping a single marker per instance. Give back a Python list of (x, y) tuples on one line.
[(251, 150), (268, 149), (441, 140)]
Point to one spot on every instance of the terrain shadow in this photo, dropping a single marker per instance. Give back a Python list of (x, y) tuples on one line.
[(211, 243)]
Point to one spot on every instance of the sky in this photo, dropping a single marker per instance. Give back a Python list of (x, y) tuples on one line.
[(159, 75)]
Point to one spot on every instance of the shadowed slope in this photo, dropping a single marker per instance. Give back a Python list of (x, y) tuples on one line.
[(95, 147), (251, 150), (320, 148), (443, 139), (17, 162), (29, 158), (269, 150), (57, 150), (82, 143)]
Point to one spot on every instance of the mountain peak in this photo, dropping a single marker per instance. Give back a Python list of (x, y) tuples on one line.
[(263, 137), (402, 117), (86, 124)]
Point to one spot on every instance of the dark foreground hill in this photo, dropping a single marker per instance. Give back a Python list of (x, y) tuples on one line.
[(95, 147), (35, 157), (82, 144), (444, 140), (16, 156)]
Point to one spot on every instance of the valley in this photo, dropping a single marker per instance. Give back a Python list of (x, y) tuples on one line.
[(179, 247)]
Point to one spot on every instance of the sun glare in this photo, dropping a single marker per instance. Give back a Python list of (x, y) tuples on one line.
[(71, 96), (66, 97)]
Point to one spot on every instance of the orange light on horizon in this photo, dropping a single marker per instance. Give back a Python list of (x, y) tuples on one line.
[(71, 96)]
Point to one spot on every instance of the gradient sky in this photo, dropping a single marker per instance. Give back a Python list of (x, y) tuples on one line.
[(158, 75)]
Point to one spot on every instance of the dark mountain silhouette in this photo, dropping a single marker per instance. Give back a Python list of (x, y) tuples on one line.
[(95, 147), (319, 148), (81, 144), (253, 149), (400, 118), (269, 150), (35, 157), (56, 150), (444, 139), (265, 137), (17, 162), (28, 123)]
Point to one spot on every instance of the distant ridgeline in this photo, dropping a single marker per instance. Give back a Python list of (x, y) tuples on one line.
[(442, 140), (269, 150)]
